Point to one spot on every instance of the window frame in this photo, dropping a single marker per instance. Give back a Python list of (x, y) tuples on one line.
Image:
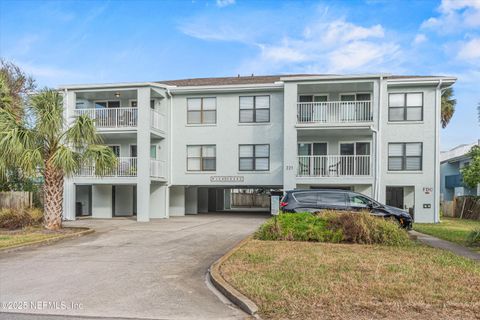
[(404, 157), (201, 157), (405, 107), (202, 111), (254, 109), (254, 157), (313, 97)]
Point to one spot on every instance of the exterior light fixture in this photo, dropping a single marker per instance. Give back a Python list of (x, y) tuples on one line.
[(117, 94)]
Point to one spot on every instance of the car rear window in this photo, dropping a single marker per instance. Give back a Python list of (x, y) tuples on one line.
[(306, 197), (332, 198)]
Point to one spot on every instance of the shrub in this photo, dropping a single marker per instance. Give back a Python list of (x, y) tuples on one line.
[(36, 215), (362, 227), (20, 218), (333, 226), (473, 238), (298, 227)]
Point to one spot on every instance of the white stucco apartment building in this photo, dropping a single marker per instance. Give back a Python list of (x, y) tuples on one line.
[(184, 144)]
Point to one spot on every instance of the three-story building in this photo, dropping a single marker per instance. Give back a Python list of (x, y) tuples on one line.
[(184, 144)]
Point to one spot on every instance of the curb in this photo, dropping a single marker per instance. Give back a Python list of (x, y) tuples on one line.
[(43, 242), (228, 290)]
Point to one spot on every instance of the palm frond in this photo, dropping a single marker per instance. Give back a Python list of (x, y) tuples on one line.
[(65, 159), (82, 132), (47, 108), (448, 103), (103, 158)]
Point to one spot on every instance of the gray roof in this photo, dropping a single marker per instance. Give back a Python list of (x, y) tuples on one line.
[(229, 80), (266, 79)]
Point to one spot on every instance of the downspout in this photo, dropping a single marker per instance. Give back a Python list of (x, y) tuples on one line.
[(438, 106)]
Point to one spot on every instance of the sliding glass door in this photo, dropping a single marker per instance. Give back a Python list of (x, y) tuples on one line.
[(311, 162)]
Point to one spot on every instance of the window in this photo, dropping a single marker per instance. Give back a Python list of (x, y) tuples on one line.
[(255, 109), (313, 98), (306, 197), (355, 97), (133, 150), (405, 106), (153, 152), (134, 104), (405, 156), (201, 110), (115, 149), (357, 201), (107, 104), (331, 198), (201, 158), (254, 157)]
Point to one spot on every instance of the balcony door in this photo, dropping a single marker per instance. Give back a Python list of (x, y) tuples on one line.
[(312, 160), (355, 106), (310, 111), (354, 158)]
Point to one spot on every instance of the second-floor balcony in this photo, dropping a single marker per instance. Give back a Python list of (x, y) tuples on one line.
[(334, 166), (334, 112), (126, 167)]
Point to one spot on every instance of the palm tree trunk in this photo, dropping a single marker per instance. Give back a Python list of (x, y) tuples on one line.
[(53, 197)]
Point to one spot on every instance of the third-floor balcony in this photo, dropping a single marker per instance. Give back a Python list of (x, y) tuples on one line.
[(334, 112), (111, 118), (122, 118)]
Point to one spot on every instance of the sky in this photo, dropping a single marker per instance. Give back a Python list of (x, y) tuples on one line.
[(74, 42)]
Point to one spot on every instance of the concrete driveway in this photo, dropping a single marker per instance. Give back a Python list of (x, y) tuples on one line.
[(153, 270)]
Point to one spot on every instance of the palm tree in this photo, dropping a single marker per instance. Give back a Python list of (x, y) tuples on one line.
[(448, 106), (43, 145)]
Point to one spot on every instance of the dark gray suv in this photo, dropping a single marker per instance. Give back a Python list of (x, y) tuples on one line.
[(321, 199)]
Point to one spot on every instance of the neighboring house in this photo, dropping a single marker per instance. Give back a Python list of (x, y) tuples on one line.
[(451, 162), (183, 145)]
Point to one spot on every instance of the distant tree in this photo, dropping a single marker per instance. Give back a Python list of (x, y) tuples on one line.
[(471, 172), (18, 85), (448, 106)]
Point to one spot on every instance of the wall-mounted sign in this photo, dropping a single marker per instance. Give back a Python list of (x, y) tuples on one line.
[(427, 190), (226, 179)]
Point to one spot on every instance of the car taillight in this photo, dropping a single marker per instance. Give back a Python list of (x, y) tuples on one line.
[(283, 204)]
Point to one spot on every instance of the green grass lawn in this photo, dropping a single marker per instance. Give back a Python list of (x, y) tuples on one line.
[(14, 238), (305, 280), (451, 229)]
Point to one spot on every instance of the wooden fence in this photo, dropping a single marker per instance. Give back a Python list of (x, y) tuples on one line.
[(467, 207), (250, 200), (16, 199)]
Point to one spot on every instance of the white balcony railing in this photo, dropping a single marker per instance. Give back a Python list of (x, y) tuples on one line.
[(158, 120), (126, 167), (111, 117), (158, 168), (334, 166), (334, 112)]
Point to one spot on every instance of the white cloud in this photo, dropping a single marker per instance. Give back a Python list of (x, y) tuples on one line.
[(224, 3), (334, 47), (420, 38), (470, 50), (455, 16)]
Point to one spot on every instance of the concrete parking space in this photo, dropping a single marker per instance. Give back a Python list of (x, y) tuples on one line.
[(154, 270)]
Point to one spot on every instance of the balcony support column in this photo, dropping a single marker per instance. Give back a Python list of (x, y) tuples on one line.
[(290, 162), (143, 154)]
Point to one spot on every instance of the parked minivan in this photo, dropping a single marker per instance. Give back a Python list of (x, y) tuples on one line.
[(321, 199)]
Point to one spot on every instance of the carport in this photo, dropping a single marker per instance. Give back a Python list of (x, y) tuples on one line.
[(223, 199)]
